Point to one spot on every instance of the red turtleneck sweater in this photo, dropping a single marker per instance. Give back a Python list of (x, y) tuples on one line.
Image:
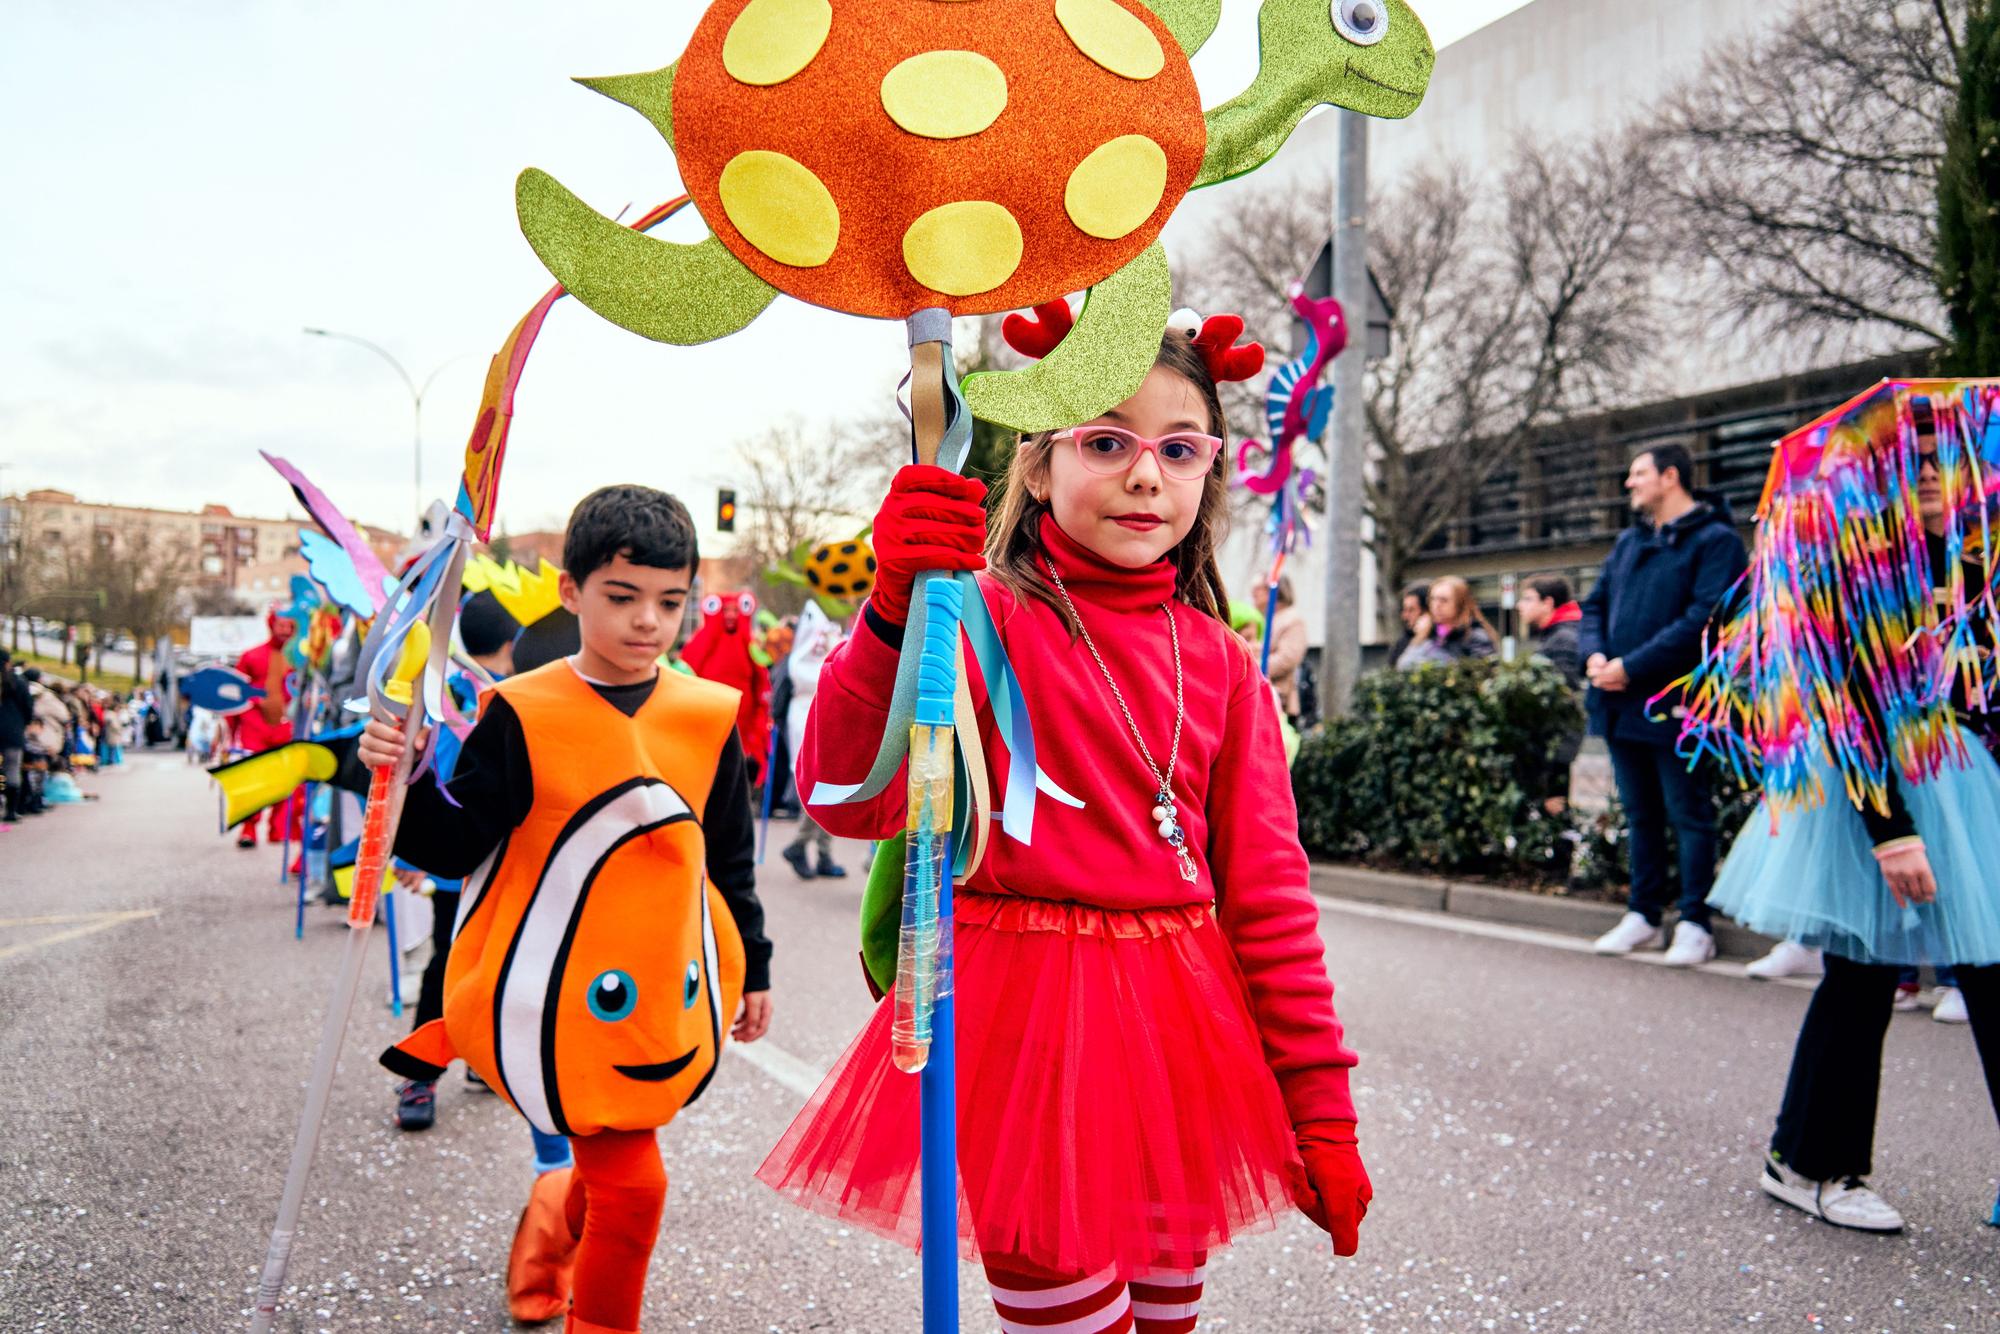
[(1231, 786)]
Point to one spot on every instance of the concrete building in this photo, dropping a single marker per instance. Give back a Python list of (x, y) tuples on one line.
[(1555, 69), (253, 557)]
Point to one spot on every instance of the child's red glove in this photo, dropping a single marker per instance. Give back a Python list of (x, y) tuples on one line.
[(932, 520), (1337, 1194)]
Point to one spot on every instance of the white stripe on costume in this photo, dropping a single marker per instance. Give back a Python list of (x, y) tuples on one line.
[(1094, 1323), (1040, 1299), (524, 991)]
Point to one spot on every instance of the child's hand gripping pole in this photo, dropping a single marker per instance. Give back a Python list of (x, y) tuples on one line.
[(386, 783), (378, 836)]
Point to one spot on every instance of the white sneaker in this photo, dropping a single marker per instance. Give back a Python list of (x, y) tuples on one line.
[(1788, 958), (1633, 932), (1846, 1203), (1950, 1007), (1692, 945)]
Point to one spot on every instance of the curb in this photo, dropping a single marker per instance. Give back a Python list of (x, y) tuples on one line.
[(1511, 907)]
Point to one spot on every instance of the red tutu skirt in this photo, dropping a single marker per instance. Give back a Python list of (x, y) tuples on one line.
[(1114, 1106)]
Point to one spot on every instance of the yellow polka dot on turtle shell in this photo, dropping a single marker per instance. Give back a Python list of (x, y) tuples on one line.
[(1117, 187), (1112, 36), (945, 94), (781, 208), (771, 40), (964, 248)]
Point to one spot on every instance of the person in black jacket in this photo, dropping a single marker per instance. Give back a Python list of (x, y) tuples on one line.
[(1555, 625), (16, 707), (1641, 632)]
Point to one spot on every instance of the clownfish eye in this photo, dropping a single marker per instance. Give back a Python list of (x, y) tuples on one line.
[(613, 995), (691, 988)]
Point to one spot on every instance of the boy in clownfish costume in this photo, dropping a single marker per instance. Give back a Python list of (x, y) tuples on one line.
[(609, 927)]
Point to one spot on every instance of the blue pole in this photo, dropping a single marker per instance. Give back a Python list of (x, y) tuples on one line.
[(1270, 615), (395, 955), (938, 1084), (305, 839), (937, 1093), (770, 783)]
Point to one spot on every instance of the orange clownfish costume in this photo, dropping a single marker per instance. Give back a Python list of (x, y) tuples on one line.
[(594, 970)]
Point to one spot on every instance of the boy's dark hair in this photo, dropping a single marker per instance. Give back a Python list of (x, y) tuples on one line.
[(485, 625), (645, 526), (1677, 458), (1553, 587), (1420, 590)]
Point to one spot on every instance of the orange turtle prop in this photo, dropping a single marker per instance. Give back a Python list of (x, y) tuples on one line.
[(886, 157)]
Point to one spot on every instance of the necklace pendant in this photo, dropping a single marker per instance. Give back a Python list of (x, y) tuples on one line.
[(1189, 872)]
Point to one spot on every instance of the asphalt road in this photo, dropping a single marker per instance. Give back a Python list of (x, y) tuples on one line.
[(1558, 1142)]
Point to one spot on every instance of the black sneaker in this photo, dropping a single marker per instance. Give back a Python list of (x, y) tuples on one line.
[(827, 869), (796, 855), (416, 1104), (473, 1081)]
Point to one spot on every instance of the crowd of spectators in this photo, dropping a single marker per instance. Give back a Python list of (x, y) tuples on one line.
[(1622, 648), (52, 731)]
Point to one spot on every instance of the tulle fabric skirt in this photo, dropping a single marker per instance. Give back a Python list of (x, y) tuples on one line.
[(1114, 1105), (1815, 879)]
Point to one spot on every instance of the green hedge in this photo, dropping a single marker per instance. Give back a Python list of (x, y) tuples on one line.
[(1438, 769), (1441, 770)]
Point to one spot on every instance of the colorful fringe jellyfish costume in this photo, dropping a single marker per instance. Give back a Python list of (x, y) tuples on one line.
[(1854, 670)]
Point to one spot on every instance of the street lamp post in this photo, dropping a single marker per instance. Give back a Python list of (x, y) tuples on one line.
[(417, 393)]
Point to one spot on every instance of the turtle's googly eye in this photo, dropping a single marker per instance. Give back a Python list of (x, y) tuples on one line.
[(691, 986), (1184, 321), (612, 995), (1363, 22)]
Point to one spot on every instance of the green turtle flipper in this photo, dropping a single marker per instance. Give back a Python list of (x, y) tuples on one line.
[(1192, 22), (671, 293), (651, 95), (1099, 364)]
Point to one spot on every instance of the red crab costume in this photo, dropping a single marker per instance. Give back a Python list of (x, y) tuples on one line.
[(720, 651), (265, 725)]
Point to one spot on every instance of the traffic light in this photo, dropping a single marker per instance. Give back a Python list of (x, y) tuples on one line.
[(725, 511)]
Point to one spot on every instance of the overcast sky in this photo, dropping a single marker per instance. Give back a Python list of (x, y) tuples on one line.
[(189, 184)]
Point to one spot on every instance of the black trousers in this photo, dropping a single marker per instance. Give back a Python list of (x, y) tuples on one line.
[(1826, 1127), (430, 996)]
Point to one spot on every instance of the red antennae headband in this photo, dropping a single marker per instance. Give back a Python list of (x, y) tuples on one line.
[(1037, 336)]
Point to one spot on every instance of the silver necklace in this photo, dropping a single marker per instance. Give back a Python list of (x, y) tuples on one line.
[(1164, 812)]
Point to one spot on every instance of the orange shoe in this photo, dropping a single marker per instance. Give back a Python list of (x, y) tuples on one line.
[(542, 1264)]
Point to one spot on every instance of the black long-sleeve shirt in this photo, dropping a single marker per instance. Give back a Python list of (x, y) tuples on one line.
[(1898, 823), (492, 789)]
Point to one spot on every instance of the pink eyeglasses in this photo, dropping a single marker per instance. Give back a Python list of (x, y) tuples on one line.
[(1183, 455)]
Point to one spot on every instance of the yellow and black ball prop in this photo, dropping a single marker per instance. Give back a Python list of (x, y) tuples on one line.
[(843, 570)]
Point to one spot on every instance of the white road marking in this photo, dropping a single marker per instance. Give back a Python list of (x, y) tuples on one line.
[(800, 1076), (94, 922), (1527, 935)]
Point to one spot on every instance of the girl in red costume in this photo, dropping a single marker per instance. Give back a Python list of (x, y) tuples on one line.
[(1149, 1061)]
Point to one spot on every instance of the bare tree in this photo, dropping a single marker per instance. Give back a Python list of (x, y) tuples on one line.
[(1800, 171), (1516, 300), (799, 484)]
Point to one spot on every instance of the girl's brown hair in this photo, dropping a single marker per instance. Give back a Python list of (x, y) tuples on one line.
[(1461, 593), (1014, 550)]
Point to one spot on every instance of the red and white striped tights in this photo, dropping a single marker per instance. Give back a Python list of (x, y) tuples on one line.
[(1158, 1301)]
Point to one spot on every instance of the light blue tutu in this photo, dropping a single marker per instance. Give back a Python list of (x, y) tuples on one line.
[(1815, 880)]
